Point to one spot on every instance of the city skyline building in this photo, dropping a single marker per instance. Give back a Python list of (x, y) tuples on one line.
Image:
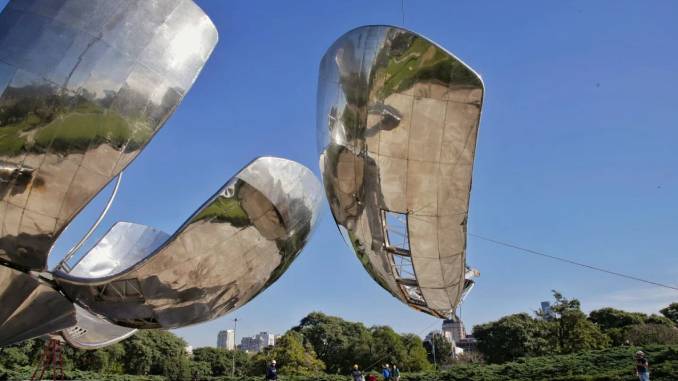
[(257, 342), (226, 339)]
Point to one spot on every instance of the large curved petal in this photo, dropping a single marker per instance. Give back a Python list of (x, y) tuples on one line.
[(397, 121), (84, 86), (30, 308), (231, 249)]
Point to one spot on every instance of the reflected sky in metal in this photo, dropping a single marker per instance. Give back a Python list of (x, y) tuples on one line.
[(84, 86), (235, 246), (30, 307), (397, 122)]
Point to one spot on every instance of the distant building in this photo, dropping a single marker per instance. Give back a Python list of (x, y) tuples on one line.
[(249, 344), (547, 311), (468, 344), (258, 342), (226, 339), (189, 351), (266, 339)]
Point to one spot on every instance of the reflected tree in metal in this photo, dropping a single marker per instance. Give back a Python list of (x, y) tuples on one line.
[(397, 122), (84, 86)]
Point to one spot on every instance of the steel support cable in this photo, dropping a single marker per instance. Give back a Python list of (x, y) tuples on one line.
[(569, 261)]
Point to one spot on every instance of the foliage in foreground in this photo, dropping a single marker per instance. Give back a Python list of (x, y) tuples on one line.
[(614, 364), (563, 344)]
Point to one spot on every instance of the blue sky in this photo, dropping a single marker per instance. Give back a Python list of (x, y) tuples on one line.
[(576, 154)]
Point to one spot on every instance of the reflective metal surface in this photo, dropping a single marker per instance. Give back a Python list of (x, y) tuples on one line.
[(92, 332), (397, 121), (237, 244), (84, 86), (30, 307), (124, 245)]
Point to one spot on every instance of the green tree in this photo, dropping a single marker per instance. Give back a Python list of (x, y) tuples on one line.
[(221, 361), (338, 343), (671, 312), (200, 370), (438, 349), (387, 346), (13, 357), (416, 358), (291, 355), (512, 337), (608, 318), (154, 352), (645, 334), (660, 320), (572, 331)]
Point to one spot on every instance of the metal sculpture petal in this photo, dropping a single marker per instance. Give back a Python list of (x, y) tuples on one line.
[(397, 122), (92, 332), (236, 245), (30, 307), (84, 86)]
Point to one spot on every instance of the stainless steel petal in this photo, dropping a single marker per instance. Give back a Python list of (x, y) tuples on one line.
[(397, 121), (124, 245), (84, 86), (30, 308), (236, 245), (92, 332)]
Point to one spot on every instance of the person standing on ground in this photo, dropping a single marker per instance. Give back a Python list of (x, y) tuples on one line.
[(386, 373), (272, 371), (395, 373), (642, 367), (357, 374)]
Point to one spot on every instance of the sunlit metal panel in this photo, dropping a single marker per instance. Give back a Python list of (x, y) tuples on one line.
[(84, 86), (397, 121)]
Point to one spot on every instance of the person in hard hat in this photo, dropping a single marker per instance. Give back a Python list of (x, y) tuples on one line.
[(272, 371), (642, 367), (357, 374)]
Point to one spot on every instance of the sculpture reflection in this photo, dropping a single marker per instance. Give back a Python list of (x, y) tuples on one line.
[(84, 86), (397, 124), (231, 249)]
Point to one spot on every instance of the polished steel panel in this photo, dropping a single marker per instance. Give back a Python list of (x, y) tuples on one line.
[(236, 245), (122, 246), (397, 122), (92, 332), (84, 86), (29, 307)]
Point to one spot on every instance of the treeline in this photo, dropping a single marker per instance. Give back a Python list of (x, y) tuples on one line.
[(319, 344), (569, 330), (322, 346)]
